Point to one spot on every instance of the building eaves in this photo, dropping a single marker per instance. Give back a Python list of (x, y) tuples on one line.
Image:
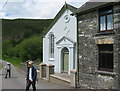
[(66, 6), (72, 8), (90, 6)]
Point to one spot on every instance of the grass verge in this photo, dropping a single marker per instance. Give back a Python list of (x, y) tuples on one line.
[(14, 60), (0, 66)]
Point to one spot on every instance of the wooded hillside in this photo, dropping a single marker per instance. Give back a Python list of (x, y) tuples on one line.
[(22, 38), (21, 28)]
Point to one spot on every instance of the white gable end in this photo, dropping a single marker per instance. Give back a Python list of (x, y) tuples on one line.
[(64, 29)]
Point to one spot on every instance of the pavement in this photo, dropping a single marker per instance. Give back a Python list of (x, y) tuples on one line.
[(17, 80)]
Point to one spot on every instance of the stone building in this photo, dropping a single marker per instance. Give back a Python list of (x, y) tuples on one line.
[(99, 45)]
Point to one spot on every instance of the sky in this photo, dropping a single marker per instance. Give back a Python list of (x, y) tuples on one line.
[(34, 9)]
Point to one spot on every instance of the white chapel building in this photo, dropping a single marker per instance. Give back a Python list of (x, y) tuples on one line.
[(59, 44)]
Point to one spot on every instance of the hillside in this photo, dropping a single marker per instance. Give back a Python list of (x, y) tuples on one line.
[(22, 38), (18, 29)]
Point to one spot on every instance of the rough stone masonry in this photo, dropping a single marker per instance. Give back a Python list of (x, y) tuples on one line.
[(90, 77)]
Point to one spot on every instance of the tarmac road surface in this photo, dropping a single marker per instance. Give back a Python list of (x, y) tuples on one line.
[(17, 80)]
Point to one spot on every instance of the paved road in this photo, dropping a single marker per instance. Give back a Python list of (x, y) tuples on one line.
[(17, 81)]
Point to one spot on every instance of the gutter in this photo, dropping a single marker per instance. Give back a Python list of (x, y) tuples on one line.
[(79, 12)]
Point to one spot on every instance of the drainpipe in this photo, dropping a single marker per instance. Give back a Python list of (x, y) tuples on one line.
[(77, 45), (78, 85)]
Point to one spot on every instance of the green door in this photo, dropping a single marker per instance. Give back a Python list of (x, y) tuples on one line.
[(65, 61)]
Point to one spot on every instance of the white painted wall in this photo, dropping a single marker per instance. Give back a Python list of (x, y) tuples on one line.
[(60, 29)]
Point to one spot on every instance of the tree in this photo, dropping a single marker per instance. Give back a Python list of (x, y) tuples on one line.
[(6, 45), (31, 48)]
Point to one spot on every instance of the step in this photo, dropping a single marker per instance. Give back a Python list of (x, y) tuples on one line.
[(60, 79)]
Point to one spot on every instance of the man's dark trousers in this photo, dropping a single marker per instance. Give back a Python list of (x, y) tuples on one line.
[(8, 72), (29, 84)]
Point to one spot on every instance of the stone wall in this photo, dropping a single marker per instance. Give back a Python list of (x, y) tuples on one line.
[(117, 27), (23, 67), (89, 75)]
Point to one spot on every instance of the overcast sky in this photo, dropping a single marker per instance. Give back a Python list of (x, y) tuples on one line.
[(34, 9)]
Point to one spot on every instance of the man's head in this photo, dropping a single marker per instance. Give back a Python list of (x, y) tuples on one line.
[(8, 63), (30, 63)]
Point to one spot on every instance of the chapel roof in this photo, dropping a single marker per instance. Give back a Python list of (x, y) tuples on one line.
[(65, 6)]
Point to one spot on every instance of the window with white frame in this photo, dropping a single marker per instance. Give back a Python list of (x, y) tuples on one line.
[(51, 46), (106, 19)]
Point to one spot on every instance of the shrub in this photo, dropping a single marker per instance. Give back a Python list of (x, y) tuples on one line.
[(6, 45), (11, 52), (31, 48)]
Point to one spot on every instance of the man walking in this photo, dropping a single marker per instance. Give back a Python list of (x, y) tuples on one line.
[(31, 76), (8, 70)]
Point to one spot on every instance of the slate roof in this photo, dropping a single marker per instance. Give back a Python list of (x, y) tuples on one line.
[(91, 5)]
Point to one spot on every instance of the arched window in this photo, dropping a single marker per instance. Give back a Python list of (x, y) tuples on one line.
[(51, 46)]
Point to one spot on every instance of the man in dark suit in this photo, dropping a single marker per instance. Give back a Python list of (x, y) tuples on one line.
[(31, 76)]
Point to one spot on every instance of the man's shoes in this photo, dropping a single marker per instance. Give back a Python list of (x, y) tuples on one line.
[(5, 77)]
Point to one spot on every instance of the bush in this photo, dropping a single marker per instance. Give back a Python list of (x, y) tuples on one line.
[(11, 52), (6, 45), (17, 50), (31, 48)]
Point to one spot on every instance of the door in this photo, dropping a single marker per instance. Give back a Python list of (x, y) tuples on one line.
[(65, 61)]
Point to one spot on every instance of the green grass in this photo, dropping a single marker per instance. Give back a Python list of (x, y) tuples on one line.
[(0, 66), (15, 61)]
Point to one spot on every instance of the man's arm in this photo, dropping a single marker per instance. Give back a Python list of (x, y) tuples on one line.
[(27, 74), (35, 74)]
